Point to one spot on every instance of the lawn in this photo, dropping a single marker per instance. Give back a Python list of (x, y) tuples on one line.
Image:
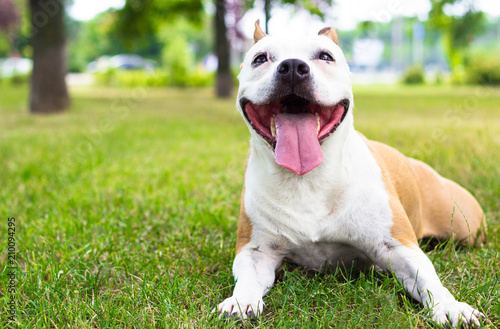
[(126, 209)]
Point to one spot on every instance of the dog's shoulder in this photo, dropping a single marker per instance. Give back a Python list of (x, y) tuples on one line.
[(400, 179), (395, 164)]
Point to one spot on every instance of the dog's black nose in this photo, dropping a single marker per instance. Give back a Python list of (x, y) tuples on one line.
[(293, 69)]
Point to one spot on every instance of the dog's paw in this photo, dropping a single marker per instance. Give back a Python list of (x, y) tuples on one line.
[(242, 308), (457, 314)]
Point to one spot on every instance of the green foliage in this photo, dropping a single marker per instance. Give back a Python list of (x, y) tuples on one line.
[(141, 78), (437, 17), (105, 78), (19, 79), (201, 78), (315, 7), (99, 37), (127, 209), (484, 70), (140, 19), (94, 39), (414, 75), (178, 56), (439, 78), (16, 79), (5, 47), (458, 32), (178, 60), (131, 78), (158, 78), (466, 28)]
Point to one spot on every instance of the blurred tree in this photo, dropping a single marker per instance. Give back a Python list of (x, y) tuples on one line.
[(457, 31), (224, 79), (10, 21), (48, 86), (315, 7), (9, 15), (15, 39)]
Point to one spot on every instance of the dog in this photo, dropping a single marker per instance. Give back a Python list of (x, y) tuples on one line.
[(319, 193)]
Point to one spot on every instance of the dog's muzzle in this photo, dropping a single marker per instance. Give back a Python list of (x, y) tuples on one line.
[(295, 127)]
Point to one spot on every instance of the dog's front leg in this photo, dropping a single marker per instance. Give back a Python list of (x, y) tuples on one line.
[(418, 276), (253, 270)]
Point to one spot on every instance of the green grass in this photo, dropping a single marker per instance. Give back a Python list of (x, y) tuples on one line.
[(126, 209)]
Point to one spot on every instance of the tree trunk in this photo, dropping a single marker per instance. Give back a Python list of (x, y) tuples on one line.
[(49, 93), (224, 78), (267, 10)]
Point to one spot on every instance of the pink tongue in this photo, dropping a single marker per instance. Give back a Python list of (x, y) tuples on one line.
[(297, 145)]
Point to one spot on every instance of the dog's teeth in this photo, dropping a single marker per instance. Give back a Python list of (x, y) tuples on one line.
[(319, 122), (273, 127)]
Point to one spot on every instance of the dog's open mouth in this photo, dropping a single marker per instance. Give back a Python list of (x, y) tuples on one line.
[(295, 127), (263, 117)]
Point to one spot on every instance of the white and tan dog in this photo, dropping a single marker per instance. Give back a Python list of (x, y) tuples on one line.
[(317, 192)]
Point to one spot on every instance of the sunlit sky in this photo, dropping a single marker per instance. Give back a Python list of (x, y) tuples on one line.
[(84, 10), (344, 15)]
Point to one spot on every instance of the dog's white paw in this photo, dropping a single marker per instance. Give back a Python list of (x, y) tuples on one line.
[(455, 314), (243, 308)]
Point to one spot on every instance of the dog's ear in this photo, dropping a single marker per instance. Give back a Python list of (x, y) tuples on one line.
[(329, 32), (258, 33)]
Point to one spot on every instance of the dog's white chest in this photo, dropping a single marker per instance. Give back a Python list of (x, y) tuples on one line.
[(324, 215)]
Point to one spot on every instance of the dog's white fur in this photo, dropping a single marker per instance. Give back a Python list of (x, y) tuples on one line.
[(338, 212)]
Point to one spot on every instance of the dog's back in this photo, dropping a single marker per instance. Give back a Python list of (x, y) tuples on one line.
[(436, 207)]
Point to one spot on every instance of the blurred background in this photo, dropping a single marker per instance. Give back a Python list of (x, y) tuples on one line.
[(198, 43)]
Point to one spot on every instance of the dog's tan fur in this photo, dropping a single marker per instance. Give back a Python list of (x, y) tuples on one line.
[(423, 203), (258, 33), (244, 226), (331, 33)]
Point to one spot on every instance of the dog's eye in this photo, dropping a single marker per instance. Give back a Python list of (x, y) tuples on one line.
[(260, 59), (326, 57)]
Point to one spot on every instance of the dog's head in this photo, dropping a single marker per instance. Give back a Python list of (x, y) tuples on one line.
[(294, 94)]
